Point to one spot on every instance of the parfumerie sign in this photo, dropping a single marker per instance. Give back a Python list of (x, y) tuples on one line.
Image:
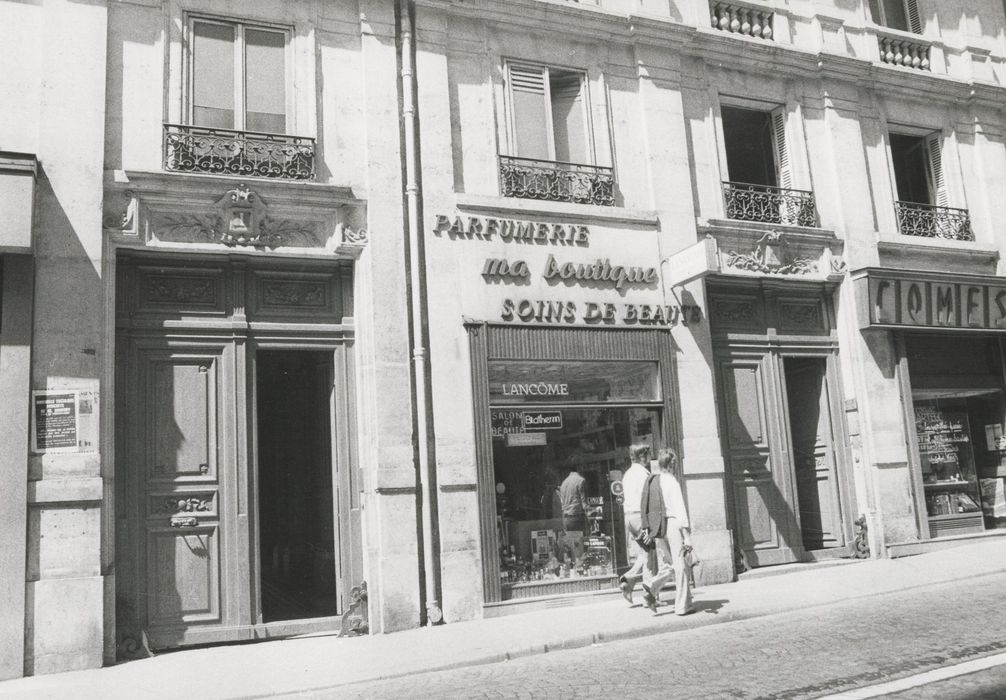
[(936, 303), (601, 272)]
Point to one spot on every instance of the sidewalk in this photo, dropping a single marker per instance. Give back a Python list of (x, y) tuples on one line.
[(286, 667)]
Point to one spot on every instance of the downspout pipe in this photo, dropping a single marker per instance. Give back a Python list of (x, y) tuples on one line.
[(418, 318)]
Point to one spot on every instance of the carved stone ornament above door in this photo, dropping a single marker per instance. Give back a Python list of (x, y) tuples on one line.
[(167, 211)]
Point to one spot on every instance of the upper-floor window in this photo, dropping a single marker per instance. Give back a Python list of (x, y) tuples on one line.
[(897, 14), (551, 151), (759, 184), (918, 169), (548, 114), (236, 117), (922, 198), (238, 76)]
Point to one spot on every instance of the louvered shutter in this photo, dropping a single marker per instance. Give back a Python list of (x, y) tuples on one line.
[(788, 211), (934, 168), (530, 113), (913, 16), (784, 174)]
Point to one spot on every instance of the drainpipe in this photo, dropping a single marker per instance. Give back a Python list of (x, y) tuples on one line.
[(418, 317)]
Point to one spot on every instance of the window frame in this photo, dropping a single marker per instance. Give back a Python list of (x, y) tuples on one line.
[(511, 116), (933, 143), (240, 97), (913, 16)]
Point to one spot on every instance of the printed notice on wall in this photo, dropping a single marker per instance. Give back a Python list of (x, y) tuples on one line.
[(64, 421)]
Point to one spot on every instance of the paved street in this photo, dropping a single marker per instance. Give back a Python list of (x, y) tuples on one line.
[(803, 654)]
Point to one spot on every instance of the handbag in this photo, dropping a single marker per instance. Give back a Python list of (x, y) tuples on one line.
[(644, 540), (690, 560)]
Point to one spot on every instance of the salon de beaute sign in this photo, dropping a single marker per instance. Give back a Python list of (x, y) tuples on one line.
[(597, 275)]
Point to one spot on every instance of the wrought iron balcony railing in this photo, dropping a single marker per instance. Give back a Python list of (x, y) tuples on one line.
[(196, 149), (899, 51), (741, 19), (933, 221), (770, 205), (527, 178)]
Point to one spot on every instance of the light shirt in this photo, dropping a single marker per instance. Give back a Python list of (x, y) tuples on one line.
[(571, 495), (674, 501), (632, 487)]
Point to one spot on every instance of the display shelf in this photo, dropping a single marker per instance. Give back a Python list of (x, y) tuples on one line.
[(948, 483)]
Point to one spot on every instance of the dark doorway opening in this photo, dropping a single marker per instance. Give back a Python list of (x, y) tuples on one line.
[(805, 377), (295, 499)]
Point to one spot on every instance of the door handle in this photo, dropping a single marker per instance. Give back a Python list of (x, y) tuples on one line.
[(184, 522)]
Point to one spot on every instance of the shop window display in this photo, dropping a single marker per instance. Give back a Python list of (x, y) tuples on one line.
[(558, 503), (962, 451), (560, 448)]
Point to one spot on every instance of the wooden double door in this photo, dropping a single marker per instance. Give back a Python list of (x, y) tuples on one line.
[(235, 507), (778, 425)]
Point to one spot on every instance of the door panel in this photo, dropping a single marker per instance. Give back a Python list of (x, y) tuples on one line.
[(180, 505), (766, 527)]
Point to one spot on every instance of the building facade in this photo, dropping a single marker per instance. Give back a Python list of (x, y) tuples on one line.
[(302, 295)]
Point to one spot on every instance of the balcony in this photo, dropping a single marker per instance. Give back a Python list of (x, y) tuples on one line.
[(931, 221), (899, 51), (195, 149), (741, 19), (527, 178), (770, 205)]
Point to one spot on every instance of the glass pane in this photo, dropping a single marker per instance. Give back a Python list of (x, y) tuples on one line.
[(515, 382), (568, 120), (213, 75), (265, 81), (559, 517)]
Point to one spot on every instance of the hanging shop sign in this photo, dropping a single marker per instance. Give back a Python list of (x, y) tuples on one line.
[(892, 299)]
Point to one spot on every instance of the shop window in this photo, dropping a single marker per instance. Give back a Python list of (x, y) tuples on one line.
[(759, 184), (237, 76), (960, 427), (561, 434), (897, 14)]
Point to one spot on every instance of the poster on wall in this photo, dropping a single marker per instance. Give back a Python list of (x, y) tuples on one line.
[(64, 421)]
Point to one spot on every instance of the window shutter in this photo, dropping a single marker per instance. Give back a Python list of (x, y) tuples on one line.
[(914, 18), (530, 112), (784, 174), (934, 167)]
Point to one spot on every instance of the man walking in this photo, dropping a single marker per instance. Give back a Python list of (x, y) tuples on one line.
[(671, 534), (632, 492)]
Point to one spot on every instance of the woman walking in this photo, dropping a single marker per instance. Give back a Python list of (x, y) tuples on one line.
[(663, 491)]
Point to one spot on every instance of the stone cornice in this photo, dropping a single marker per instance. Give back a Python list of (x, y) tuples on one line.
[(745, 53)]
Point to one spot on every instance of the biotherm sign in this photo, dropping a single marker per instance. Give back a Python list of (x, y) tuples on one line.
[(542, 420)]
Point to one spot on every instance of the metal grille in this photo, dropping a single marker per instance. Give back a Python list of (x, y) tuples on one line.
[(933, 221), (771, 205), (195, 149), (527, 178)]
